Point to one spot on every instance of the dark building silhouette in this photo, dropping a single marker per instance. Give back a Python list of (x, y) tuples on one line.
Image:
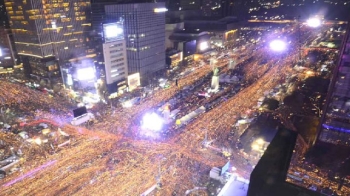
[(269, 175), (3, 15)]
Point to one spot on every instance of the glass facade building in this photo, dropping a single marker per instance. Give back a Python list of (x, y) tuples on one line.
[(44, 29), (144, 28)]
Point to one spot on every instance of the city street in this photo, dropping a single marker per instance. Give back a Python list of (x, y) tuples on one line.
[(112, 156)]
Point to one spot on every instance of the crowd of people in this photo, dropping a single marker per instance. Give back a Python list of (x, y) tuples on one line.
[(95, 162)]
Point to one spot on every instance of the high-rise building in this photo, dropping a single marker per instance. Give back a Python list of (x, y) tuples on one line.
[(172, 5), (7, 58), (115, 57), (217, 8), (144, 28), (190, 5), (211, 8), (335, 126), (3, 14), (227, 8), (48, 33)]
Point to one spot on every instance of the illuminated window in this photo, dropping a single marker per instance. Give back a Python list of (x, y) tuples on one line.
[(24, 2), (17, 17), (20, 8), (65, 4), (52, 67), (65, 19), (35, 17)]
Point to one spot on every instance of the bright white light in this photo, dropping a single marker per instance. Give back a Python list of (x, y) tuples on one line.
[(260, 141), (203, 46), (152, 122), (0, 52), (314, 22), (277, 45), (163, 9), (112, 31), (37, 141), (86, 73), (69, 79), (53, 25), (127, 104)]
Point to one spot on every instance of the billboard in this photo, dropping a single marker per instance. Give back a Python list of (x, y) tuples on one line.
[(79, 111), (87, 73), (113, 31), (134, 81)]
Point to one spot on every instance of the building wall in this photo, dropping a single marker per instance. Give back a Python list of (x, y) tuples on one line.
[(145, 36), (334, 127), (190, 5), (169, 30), (3, 15), (6, 51), (44, 28), (211, 8), (116, 66)]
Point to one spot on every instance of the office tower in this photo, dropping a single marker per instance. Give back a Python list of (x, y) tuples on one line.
[(217, 8), (172, 5), (3, 15), (211, 8), (6, 51), (144, 28), (48, 33), (115, 57), (335, 126), (240, 8), (227, 8), (190, 5)]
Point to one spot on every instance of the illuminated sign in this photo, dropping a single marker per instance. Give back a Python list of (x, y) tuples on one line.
[(86, 73), (134, 81), (203, 46), (69, 79), (113, 31), (163, 9)]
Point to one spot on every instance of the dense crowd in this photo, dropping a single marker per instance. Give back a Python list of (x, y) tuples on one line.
[(101, 163)]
